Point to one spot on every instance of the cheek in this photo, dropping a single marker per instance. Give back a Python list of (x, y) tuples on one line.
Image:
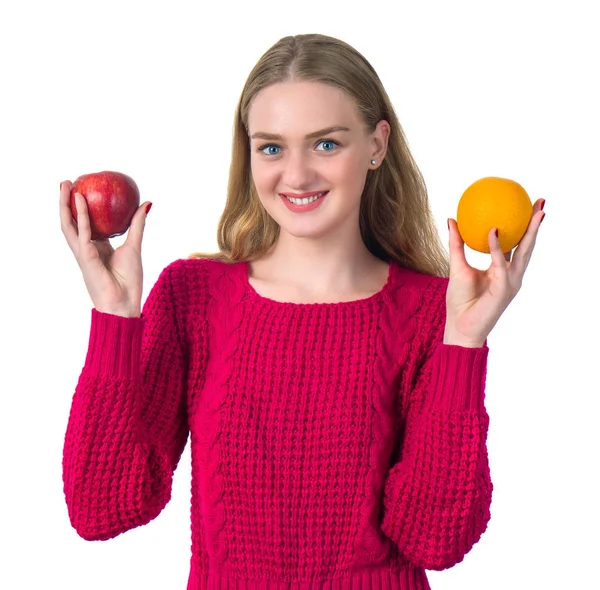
[(257, 171), (347, 170), (264, 177)]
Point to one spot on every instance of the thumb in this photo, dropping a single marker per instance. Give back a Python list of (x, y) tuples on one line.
[(136, 229), (456, 245)]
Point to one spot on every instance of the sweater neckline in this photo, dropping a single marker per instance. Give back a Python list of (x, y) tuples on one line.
[(254, 294)]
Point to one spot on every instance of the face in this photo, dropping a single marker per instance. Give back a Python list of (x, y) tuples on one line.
[(309, 142)]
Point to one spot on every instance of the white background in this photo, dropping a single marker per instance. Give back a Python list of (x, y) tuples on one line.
[(482, 89)]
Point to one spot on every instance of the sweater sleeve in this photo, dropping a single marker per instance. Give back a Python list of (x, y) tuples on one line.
[(128, 426), (437, 496)]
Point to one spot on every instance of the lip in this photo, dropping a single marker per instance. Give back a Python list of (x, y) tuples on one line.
[(302, 195), (303, 208)]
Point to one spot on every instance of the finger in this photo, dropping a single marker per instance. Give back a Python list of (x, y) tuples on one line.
[(67, 223), (525, 248), (138, 223), (83, 219), (456, 246), (538, 206), (498, 257)]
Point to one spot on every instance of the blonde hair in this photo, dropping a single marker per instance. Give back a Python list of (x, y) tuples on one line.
[(396, 222)]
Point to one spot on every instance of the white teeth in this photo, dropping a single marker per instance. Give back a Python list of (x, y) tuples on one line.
[(305, 201)]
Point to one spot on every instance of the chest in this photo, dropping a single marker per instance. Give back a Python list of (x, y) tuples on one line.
[(306, 378)]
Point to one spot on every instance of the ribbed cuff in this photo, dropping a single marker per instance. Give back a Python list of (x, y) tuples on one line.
[(374, 578), (114, 346), (458, 378)]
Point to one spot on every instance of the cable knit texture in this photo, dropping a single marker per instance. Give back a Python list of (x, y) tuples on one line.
[(334, 446)]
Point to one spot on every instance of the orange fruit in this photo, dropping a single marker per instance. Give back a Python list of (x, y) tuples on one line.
[(493, 202)]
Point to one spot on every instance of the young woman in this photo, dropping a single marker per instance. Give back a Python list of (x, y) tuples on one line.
[(328, 364)]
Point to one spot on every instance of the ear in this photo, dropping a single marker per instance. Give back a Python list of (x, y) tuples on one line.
[(379, 138)]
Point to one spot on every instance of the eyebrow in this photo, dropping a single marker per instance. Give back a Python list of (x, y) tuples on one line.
[(320, 133)]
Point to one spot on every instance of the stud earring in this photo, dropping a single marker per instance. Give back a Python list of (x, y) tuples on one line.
[(373, 162)]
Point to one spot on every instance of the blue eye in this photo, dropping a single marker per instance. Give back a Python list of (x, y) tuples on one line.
[(272, 150), (328, 142)]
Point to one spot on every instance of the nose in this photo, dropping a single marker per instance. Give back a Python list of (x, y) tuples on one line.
[(298, 172)]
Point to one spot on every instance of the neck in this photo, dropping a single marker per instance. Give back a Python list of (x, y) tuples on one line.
[(321, 265)]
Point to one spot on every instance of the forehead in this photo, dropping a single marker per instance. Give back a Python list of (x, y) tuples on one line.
[(291, 108)]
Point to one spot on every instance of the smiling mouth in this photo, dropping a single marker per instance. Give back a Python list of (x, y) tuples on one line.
[(305, 200)]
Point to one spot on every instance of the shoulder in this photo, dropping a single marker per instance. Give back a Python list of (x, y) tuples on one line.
[(195, 281), (422, 298), (429, 287), (192, 270), (186, 289)]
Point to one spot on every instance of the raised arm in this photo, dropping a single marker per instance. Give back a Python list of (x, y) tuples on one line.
[(128, 425), (437, 496)]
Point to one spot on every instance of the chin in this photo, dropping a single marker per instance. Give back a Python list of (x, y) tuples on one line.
[(315, 229), (308, 233), (306, 225), (306, 229)]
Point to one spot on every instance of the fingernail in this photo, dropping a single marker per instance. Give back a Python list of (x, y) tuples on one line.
[(448, 222), (542, 205), (61, 185), (496, 232), (542, 219), (149, 206)]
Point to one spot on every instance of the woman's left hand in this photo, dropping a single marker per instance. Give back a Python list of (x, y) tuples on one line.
[(475, 298)]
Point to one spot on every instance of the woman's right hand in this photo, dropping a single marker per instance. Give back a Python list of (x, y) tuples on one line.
[(113, 278)]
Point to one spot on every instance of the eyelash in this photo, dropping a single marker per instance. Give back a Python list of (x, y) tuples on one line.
[(267, 145)]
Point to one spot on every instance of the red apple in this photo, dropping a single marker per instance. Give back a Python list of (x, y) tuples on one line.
[(112, 199)]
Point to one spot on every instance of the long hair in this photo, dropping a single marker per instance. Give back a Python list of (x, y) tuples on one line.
[(396, 222)]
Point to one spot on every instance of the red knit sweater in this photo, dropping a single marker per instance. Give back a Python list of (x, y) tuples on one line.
[(334, 445)]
